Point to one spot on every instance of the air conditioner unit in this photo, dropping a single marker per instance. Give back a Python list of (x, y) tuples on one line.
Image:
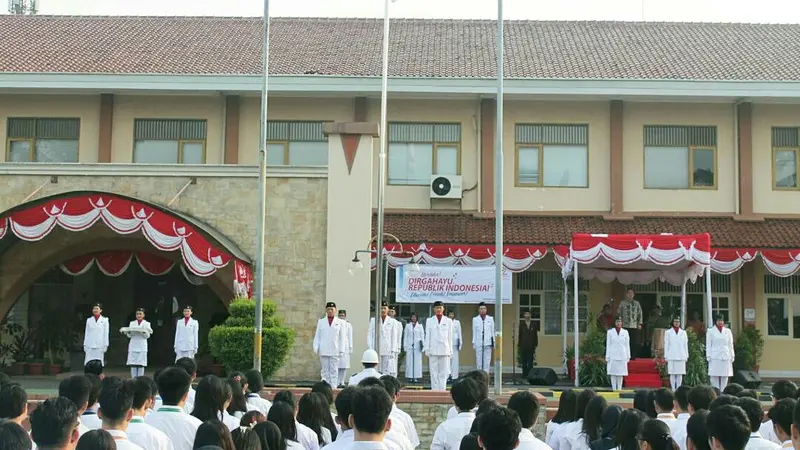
[(446, 186)]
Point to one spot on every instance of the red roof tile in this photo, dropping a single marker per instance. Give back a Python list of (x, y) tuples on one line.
[(419, 48), (552, 230)]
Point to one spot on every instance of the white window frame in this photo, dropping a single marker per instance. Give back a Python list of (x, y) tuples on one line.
[(788, 290), (551, 284)]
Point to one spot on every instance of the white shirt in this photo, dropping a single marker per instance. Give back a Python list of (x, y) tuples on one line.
[(482, 331), (558, 432), (121, 439), (618, 345), (458, 340), (676, 345), (306, 436), (96, 333), (138, 338), (527, 441), (669, 419), (147, 436), (567, 430), (679, 433), (757, 442), (186, 339), (550, 428), (260, 403), (389, 340), (345, 440), (400, 417), (438, 337), (188, 407), (90, 420), (719, 344), (767, 431), (449, 433), (452, 412), (356, 378), (179, 427), (330, 339), (367, 445), (292, 445), (82, 429), (230, 421)]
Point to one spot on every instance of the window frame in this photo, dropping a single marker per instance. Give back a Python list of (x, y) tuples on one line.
[(540, 146), (180, 142), (434, 150), (690, 153), (791, 293), (32, 139), (31, 151), (542, 293), (285, 145), (775, 151)]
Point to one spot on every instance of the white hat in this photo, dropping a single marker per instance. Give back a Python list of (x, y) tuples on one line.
[(370, 357)]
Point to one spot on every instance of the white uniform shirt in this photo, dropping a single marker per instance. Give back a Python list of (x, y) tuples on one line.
[(90, 419), (121, 439), (398, 440), (189, 406), (757, 442), (259, 402), (349, 336), (449, 433), (370, 372), (767, 431), (458, 339), (307, 437), (96, 333), (345, 440), (400, 417), (414, 337), (679, 432), (719, 345), (398, 338), (179, 427), (670, 420), (330, 339), (676, 345), (482, 331), (550, 428), (138, 339), (618, 345), (452, 412), (527, 441), (186, 335), (230, 421), (367, 445), (565, 432), (389, 343), (147, 436), (438, 337)]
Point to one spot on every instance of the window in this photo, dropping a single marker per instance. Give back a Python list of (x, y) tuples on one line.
[(552, 155), (783, 305), (785, 149), (680, 157), (43, 140), (669, 297), (291, 143), (419, 150), (169, 141), (542, 293)]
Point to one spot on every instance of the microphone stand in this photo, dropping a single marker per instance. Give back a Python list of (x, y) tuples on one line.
[(483, 343), (514, 354)]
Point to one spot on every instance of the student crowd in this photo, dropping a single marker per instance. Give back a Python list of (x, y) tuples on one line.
[(95, 412)]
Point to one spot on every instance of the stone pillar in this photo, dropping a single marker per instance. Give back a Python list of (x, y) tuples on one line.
[(350, 184)]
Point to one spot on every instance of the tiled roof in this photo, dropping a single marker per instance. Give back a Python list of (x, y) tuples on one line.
[(419, 48), (553, 230)]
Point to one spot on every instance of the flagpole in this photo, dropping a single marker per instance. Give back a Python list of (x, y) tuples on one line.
[(498, 208)]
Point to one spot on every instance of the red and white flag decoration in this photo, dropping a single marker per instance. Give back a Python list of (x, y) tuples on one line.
[(115, 263), (242, 280)]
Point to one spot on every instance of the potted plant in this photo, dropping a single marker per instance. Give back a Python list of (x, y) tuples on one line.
[(52, 339), (21, 350), (36, 366), (661, 366), (749, 347), (592, 359), (696, 365)]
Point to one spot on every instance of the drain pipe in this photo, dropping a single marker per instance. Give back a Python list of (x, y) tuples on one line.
[(736, 162)]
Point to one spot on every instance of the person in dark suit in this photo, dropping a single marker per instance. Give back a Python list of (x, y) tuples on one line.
[(528, 341)]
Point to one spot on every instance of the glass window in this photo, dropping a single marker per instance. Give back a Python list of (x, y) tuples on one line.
[(276, 154), (786, 168), (419, 150), (666, 167), (552, 155), (192, 153), (565, 166), (532, 303), (169, 141), (43, 140), (703, 167), (777, 316), (308, 153), (155, 152), (680, 157), (410, 164), (528, 166), (446, 160), (19, 151)]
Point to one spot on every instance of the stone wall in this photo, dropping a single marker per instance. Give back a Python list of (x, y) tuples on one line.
[(295, 236)]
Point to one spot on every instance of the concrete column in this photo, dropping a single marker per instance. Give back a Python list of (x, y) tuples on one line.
[(232, 114), (747, 276), (350, 183), (617, 208), (488, 114), (106, 125), (745, 129)]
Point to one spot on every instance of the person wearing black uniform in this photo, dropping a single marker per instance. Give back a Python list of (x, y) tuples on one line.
[(528, 341)]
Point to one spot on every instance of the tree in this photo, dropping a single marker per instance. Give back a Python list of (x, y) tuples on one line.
[(23, 7)]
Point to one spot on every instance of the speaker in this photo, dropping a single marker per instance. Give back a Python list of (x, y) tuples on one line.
[(542, 376), (747, 378)]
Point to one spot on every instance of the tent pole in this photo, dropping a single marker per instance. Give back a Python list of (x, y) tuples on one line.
[(575, 327), (709, 306), (683, 303), (565, 359)]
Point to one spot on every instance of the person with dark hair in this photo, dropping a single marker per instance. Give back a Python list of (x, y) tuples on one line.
[(755, 414), (213, 433), (157, 401), (413, 339), (13, 436), (139, 432), (483, 338), (238, 406), (676, 352), (681, 405), (722, 400), (282, 415), (401, 421), (270, 436), (782, 415), (749, 393), (77, 389), (89, 417), (697, 437), (527, 341), (325, 389), (312, 412), (733, 389), (116, 411), (618, 353), (499, 430), (656, 436), (54, 424), (438, 346), (189, 366), (138, 331), (629, 429), (95, 336), (608, 429), (94, 367), (212, 400), (664, 402), (330, 343), (719, 353), (564, 415), (251, 418), (255, 383), (244, 438), (484, 406), (640, 398), (482, 380), (343, 404), (525, 404), (344, 361), (700, 397), (13, 403), (458, 342), (97, 440), (305, 436), (186, 335), (780, 390), (470, 442), (448, 434), (729, 429), (574, 429), (590, 429), (171, 418), (370, 415)]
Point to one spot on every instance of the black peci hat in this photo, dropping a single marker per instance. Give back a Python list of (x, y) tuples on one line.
[(330, 305)]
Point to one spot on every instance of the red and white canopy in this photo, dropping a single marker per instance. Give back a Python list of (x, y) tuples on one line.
[(115, 263)]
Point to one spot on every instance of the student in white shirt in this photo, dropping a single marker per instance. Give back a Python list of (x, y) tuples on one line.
[(696, 431), (681, 406), (655, 436), (780, 390), (370, 362), (282, 415), (729, 429), (254, 386), (271, 437), (13, 436), (77, 389), (369, 418), (755, 414), (480, 377), (116, 411), (89, 417), (190, 366), (564, 414), (609, 421), (305, 436), (186, 335), (13, 403), (664, 402), (95, 335), (54, 424), (212, 400), (313, 412), (173, 385), (500, 429), (448, 434), (323, 388), (212, 434), (782, 417), (525, 404), (139, 432), (401, 421), (569, 431), (139, 331), (590, 429), (239, 406)]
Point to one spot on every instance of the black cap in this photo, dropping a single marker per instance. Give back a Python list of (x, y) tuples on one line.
[(140, 309), (330, 305), (189, 307), (437, 303), (343, 311), (97, 305), (384, 304), (391, 308), (481, 304), (450, 311), (617, 319)]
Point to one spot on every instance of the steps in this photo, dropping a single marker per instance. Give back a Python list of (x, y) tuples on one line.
[(642, 373)]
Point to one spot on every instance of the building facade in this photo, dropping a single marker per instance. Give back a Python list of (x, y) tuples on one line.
[(604, 132)]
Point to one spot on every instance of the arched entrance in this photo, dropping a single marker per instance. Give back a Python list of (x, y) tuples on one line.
[(60, 254)]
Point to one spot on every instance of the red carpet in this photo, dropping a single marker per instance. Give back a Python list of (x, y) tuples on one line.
[(642, 373)]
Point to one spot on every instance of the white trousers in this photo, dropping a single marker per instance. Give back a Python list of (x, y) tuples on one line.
[(386, 365), (342, 376), (483, 358), (719, 382), (414, 363), (184, 354), (454, 365), (675, 381), (137, 371), (439, 367), (616, 382), (93, 354), (330, 370)]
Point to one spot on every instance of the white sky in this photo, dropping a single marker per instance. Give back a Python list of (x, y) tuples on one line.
[(767, 11)]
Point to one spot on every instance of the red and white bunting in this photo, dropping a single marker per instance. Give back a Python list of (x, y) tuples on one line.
[(115, 263)]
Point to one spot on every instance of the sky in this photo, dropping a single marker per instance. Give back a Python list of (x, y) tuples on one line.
[(761, 11)]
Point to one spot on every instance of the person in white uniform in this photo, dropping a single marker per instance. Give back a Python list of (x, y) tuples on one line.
[(344, 363), (186, 332), (398, 340), (412, 343), (116, 411), (330, 343), (170, 418), (139, 432), (483, 338), (449, 433), (719, 353), (780, 390), (370, 361), (53, 424), (676, 353), (458, 341), (138, 331), (618, 354), (438, 346), (755, 415), (388, 336), (95, 338)]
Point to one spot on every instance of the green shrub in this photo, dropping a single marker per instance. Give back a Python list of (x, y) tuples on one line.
[(232, 342), (593, 358), (749, 346), (696, 366)]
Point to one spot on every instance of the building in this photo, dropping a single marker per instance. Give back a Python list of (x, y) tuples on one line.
[(609, 128)]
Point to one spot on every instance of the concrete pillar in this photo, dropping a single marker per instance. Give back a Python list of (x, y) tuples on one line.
[(617, 207), (350, 163), (488, 115), (232, 113), (106, 125), (744, 122)]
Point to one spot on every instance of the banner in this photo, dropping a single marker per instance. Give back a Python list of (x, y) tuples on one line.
[(449, 284)]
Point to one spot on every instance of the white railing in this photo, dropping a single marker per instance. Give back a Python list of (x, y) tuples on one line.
[(160, 170)]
